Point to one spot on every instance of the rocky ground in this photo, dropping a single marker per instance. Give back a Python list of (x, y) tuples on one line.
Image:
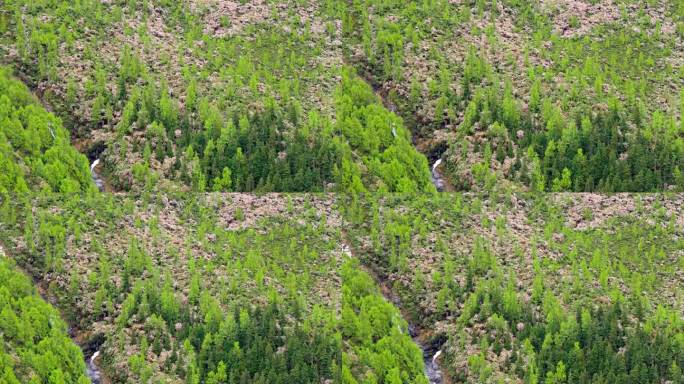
[(157, 46), (285, 244), (415, 246), (550, 42), (443, 238)]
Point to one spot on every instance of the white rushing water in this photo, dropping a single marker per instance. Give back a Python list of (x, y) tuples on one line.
[(432, 370), (96, 177), (430, 358), (94, 164), (92, 371), (437, 179)]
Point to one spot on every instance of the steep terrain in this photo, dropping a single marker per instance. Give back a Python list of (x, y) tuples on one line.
[(173, 259), (233, 96), (211, 95), (507, 286), (129, 273), (547, 95)]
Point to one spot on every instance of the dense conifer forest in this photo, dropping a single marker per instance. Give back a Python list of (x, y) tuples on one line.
[(353, 192)]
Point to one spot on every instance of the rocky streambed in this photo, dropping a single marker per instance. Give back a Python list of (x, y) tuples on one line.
[(92, 371), (430, 346), (437, 178), (431, 356), (96, 176), (90, 345)]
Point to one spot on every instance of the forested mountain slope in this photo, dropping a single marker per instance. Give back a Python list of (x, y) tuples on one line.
[(215, 288), (244, 96), (191, 110), (212, 95), (194, 287), (35, 149), (576, 288), (554, 95), (553, 288)]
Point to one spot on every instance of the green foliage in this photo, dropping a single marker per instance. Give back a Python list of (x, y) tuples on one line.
[(35, 150), (547, 303), (260, 130), (595, 156), (194, 323), (604, 127), (382, 349), (379, 138), (241, 152), (256, 345), (36, 347)]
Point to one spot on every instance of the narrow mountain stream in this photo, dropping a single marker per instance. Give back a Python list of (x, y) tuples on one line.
[(96, 176), (431, 351), (90, 345), (94, 151), (437, 178), (430, 359), (432, 152), (92, 371), (431, 354), (91, 350)]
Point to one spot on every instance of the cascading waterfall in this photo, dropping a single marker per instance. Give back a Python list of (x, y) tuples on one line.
[(432, 370), (96, 177), (430, 357), (91, 346), (437, 178), (92, 371)]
